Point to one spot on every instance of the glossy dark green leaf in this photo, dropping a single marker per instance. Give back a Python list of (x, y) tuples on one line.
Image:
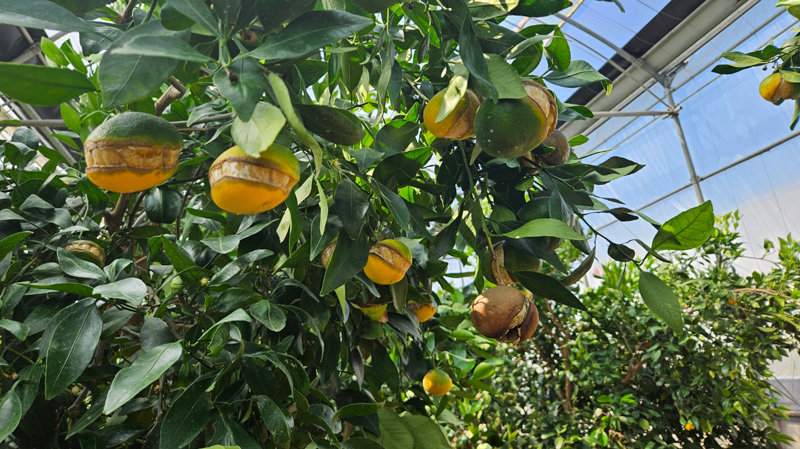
[(237, 315), (350, 205), (270, 315), (661, 300), (310, 32), (505, 79), (273, 13), (80, 7), (394, 434), (223, 244), (396, 205), (183, 264), (444, 241), (540, 8), (154, 332), (128, 78), (581, 270), (237, 435), (199, 12), (279, 425), (89, 417), (41, 14), (161, 46), (547, 287), (620, 252), (558, 52), (131, 289), (242, 83), (145, 370), (71, 346), (332, 124), (77, 267), (66, 287), (361, 443), (687, 230), (545, 227), (427, 434), (579, 74), (8, 243), (162, 205), (373, 6), (10, 413), (42, 86), (20, 330), (187, 416), (396, 136), (472, 55), (349, 258)]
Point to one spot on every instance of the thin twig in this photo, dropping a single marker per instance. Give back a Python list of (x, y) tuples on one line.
[(127, 15)]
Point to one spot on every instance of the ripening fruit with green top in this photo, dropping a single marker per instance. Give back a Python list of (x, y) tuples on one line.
[(132, 151), (458, 124), (388, 262)]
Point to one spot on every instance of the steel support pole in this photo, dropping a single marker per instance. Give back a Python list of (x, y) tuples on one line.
[(682, 138)]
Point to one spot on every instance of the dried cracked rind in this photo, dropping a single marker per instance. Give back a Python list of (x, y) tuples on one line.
[(87, 250), (544, 99), (388, 262), (503, 313)]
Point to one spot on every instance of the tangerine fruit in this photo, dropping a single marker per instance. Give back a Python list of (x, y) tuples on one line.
[(87, 250), (424, 311), (388, 262), (243, 184), (775, 89), (437, 382), (458, 124), (510, 128), (132, 151)]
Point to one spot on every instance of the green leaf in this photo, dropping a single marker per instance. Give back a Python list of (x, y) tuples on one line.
[(187, 415), (238, 435), (361, 443), (279, 425), (396, 205), (161, 46), (8, 243), (154, 332), (127, 78), (550, 288), (89, 417), (131, 289), (545, 227), (242, 83), (80, 7), (309, 32), (334, 125), (349, 258), (66, 287), (42, 86), (146, 369), (270, 315), (373, 6), (580, 73), (281, 93), (199, 12), (223, 244), (41, 14), (10, 413), (77, 267), (273, 13), (162, 205), (661, 300), (395, 136), (427, 434), (505, 78), (444, 241), (350, 204), (558, 51), (540, 8), (394, 434), (687, 230), (71, 346), (489, 9), (473, 58), (20, 330), (183, 264), (236, 315), (259, 133)]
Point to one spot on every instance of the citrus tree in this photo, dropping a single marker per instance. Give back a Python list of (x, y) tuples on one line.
[(621, 379), (258, 209)]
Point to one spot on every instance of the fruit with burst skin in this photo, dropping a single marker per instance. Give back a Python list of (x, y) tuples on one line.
[(87, 250), (132, 152), (437, 382), (558, 156), (243, 184), (510, 128), (544, 99), (388, 262), (505, 314), (775, 89), (458, 124), (424, 311)]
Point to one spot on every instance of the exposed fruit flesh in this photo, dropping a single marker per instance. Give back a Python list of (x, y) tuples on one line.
[(388, 262)]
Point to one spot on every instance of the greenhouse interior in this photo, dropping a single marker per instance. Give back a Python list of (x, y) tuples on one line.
[(380, 224)]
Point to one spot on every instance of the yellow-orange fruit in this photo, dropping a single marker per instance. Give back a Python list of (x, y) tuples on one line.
[(243, 184), (437, 382), (87, 250), (424, 311), (388, 262), (505, 314), (375, 312), (131, 152), (775, 89), (458, 124)]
